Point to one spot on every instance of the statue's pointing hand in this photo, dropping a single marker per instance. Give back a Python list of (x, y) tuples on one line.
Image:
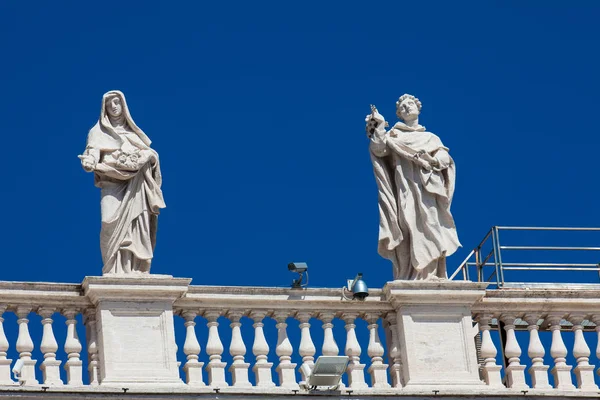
[(374, 121)]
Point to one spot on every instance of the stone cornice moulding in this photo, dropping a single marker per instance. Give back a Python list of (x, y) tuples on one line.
[(146, 288), (540, 301), (269, 298), (56, 295), (443, 293)]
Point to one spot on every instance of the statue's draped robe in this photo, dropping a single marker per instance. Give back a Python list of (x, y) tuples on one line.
[(416, 230), (131, 194)]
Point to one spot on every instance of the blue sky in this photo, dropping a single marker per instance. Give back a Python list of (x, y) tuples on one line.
[(257, 111)]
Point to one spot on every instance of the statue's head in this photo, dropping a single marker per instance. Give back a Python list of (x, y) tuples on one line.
[(114, 105), (408, 107)]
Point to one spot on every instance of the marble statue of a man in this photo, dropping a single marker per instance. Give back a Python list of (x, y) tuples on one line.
[(415, 178), (127, 171)]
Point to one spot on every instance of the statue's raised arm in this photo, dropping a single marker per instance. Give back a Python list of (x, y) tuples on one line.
[(415, 177), (127, 171)]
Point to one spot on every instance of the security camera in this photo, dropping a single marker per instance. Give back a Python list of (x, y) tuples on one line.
[(298, 267), (357, 287)]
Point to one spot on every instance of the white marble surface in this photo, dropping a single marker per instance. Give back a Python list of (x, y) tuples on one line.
[(415, 178), (135, 329), (128, 173), (435, 331)]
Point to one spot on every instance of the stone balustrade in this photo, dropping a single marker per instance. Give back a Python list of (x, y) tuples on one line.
[(309, 307), (255, 340), (558, 312), (46, 302)]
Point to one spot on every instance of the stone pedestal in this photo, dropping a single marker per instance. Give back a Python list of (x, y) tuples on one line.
[(134, 322), (435, 331)]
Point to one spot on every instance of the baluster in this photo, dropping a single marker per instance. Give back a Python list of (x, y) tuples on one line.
[(355, 370), (25, 347), (491, 371), (191, 348), (260, 349), (4, 345), (307, 348), (73, 366), (237, 349), (92, 337), (50, 366), (378, 369), (596, 320), (538, 371), (286, 369), (4, 362), (584, 372), (558, 351), (515, 372), (214, 348), (394, 349), (330, 347)]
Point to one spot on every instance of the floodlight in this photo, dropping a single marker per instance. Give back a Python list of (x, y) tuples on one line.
[(300, 268), (328, 371)]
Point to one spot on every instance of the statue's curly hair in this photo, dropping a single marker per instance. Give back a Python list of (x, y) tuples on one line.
[(404, 97)]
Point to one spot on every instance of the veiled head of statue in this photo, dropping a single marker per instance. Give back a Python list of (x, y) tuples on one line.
[(114, 105), (408, 107)]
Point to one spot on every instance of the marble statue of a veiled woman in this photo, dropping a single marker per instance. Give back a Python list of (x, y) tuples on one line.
[(127, 171), (415, 177)]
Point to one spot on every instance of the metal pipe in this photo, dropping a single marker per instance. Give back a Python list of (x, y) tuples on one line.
[(549, 269), (540, 228), (549, 248)]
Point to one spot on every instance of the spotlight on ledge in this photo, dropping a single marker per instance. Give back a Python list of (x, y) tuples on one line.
[(357, 287), (300, 268)]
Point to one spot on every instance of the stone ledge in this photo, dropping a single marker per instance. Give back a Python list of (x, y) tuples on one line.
[(435, 292), (136, 288)]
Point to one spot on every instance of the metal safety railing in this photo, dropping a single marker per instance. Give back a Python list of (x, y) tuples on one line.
[(482, 261)]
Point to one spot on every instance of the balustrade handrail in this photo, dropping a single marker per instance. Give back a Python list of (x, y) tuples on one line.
[(273, 298)]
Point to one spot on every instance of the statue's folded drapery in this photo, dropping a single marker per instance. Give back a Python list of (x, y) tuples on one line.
[(128, 173), (416, 230)]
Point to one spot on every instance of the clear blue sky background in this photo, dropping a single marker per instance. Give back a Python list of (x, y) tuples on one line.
[(257, 111)]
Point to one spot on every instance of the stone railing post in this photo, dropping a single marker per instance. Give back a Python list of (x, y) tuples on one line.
[(307, 348), (25, 347), (584, 372), (214, 348), (73, 366), (394, 350), (424, 310), (538, 371), (515, 372), (355, 370), (50, 366), (237, 349), (4, 345), (260, 349), (561, 371), (491, 371), (191, 348), (136, 329), (92, 348), (286, 369), (378, 369)]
